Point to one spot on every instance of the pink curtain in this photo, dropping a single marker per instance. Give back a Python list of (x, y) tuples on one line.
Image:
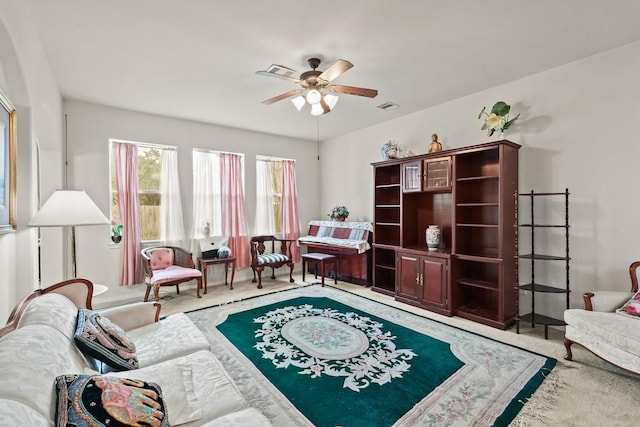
[(125, 157), (290, 223), (234, 216)]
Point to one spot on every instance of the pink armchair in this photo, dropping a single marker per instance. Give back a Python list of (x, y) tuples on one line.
[(168, 265)]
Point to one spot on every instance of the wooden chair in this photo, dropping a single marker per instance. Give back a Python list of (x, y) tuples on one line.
[(168, 266), (269, 251)]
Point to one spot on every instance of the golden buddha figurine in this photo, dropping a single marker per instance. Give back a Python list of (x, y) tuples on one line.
[(435, 146)]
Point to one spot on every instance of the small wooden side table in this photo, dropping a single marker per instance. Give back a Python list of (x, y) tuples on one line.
[(205, 263)]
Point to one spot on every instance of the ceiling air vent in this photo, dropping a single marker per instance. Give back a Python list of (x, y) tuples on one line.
[(280, 70), (387, 106)]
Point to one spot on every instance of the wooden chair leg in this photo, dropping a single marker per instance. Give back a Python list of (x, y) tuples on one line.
[(156, 292), (199, 280), (259, 279), (178, 289), (567, 346), (291, 273), (146, 294)]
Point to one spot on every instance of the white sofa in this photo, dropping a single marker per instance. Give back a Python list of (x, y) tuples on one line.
[(172, 352), (605, 331)]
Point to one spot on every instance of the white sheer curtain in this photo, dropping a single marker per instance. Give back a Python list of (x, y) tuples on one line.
[(171, 221), (265, 221), (206, 193)]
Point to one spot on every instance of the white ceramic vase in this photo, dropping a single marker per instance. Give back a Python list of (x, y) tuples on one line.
[(432, 236)]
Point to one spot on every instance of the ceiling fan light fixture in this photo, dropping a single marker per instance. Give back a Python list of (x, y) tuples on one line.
[(299, 102), (315, 86), (313, 96)]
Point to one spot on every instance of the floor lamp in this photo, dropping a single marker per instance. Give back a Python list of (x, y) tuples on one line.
[(70, 208)]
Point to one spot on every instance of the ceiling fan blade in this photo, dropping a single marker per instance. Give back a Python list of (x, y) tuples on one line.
[(352, 90), (283, 96), (337, 68), (278, 76)]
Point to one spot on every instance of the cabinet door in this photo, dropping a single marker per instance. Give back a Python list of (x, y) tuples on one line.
[(434, 281), (408, 276), (437, 174), (412, 176)]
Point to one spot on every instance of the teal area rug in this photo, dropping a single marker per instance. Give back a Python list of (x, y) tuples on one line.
[(325, 357)]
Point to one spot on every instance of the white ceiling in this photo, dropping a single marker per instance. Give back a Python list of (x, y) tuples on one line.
[(196, 59)]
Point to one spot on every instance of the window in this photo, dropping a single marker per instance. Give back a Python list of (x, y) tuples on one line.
[(208, 191), (149, 189), (269, 196), (218, 200)]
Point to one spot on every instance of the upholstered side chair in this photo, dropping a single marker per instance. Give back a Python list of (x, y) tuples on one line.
[(604, 328), (270, 252), (168, 266)]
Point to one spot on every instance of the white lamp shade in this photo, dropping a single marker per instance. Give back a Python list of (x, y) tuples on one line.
[(299, 102), (331, 100), (68, 208), (313, 96), (317, 110)]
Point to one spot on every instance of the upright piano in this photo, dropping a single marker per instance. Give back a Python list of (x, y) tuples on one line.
[(349, 241)]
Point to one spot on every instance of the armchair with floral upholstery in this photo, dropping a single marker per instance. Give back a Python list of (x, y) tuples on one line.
[(168, 266), (269, 251)]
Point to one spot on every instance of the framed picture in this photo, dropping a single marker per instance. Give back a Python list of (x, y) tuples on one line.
[(7, 165)]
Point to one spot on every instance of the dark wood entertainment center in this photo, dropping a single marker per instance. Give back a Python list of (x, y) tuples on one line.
[(471, 194)]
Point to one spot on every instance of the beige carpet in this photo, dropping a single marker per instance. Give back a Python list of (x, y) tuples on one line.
[(584, 392)]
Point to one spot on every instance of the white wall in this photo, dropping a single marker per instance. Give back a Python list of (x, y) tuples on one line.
[(27, 79), (89, 128), (579, 129)]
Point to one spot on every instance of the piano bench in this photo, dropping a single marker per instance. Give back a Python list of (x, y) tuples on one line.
[(322, 259)]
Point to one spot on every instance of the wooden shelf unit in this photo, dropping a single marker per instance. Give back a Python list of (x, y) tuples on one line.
[(387, 226), (533, 286), (469, 193)]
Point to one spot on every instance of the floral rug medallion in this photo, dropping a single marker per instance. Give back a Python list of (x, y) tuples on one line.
[(329, 342)]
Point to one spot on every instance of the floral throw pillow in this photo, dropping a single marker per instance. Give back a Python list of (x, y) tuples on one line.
[(632, 307), (97, 337), (96, 400)]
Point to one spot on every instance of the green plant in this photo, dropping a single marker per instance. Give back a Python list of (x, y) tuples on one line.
[(498, 118), (116, 228), (339, 212)]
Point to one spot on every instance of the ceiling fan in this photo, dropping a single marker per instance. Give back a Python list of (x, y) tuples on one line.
[(315, 86)]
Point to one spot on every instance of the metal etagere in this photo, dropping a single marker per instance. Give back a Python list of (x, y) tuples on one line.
[(535, 258)]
